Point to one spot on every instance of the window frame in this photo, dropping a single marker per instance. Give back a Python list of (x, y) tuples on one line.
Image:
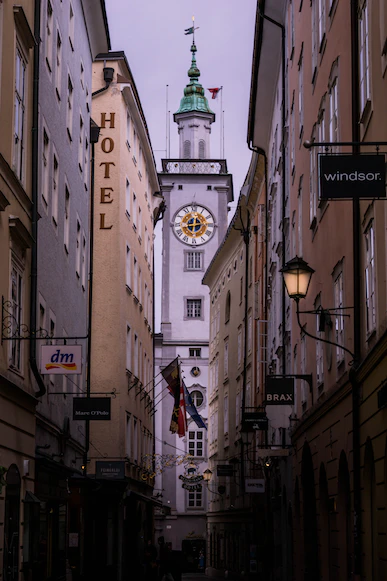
[(194, 302)]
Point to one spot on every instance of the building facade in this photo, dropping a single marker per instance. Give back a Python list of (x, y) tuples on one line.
[(72, 33), (17, 395), (335, 76), (197, 190), (121, 363)]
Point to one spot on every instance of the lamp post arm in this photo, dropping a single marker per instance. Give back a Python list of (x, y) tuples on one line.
[(302, 327)]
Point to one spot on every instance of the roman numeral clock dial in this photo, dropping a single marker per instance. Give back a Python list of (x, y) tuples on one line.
[(194, 225)]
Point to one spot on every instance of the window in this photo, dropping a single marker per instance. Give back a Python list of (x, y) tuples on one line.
[(135, 356), (237, 408), (225, 413), (187, 150), (17, 311), (127, 197), (195, 443), (139, 224), (128, 130), (128, 348), (339, 319), (49, 29), (299, 215), (370, 278), (301, 91), (239, 346), (209, 188), (45, 167), (135, 439), (134, 145), (321, 23), (249, 332), (333, 112), (179, 187), (241, 290), (194, 260), (228, 307), (71, 27), (292, 136), (226, 358), (202, 149), (195, 499), (70, 99), (364, 57), (66, 230), (195, 352), (58, 71), (134, 209), (82, 77), (83, 261), (313, 183), (319, 344), (78, 250), (20, 81), (55, 188), (135, 274), (128, 442), (194, 308), (86, 161), (80, 144), (197, 398)]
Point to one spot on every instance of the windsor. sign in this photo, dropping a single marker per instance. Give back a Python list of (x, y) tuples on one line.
[(352, 176)]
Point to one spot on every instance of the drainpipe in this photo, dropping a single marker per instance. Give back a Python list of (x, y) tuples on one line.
[(356, 301), (108, 73), (34, 200)]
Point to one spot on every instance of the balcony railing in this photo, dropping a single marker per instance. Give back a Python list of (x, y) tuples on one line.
[(194, 166)]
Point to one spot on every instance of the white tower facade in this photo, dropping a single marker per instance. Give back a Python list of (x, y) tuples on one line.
[(197, 190)]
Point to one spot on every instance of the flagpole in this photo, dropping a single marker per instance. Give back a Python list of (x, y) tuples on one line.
[(166, 123), (221, 124)]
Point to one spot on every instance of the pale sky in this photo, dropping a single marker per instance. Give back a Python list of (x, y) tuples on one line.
[(151, 33)]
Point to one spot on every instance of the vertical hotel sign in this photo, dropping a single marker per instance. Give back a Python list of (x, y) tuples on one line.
[(106, 191)]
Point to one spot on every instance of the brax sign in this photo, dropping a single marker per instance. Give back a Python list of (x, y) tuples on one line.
[(352, 176), (279, 390)]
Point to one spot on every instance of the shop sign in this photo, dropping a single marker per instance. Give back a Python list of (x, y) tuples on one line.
[(61, 359), (191, 482), (91, 408), (352, 176), (279, 390), (224, 470), (255, 485), (110, 470), (252, 421)]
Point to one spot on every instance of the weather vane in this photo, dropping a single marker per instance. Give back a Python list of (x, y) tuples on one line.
[(191, 29)]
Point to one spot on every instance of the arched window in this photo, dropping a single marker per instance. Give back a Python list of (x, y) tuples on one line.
[(187, 150), (202, 149), (197, 398), (228, 307)]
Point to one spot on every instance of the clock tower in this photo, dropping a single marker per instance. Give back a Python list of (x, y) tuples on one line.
[(197, 190)]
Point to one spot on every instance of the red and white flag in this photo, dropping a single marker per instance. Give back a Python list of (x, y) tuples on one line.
[(214, 91), (182, 419)]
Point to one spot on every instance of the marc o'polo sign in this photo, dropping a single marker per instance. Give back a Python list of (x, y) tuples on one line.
[(352, 176), (279, 390), (91, 408), (61, 360)]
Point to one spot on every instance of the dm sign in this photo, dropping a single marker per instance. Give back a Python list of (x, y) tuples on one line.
[(61, 360), (352, 176), (279, 390)]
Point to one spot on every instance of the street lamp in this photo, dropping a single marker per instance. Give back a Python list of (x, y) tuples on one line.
[(297, 275), (207, 475)]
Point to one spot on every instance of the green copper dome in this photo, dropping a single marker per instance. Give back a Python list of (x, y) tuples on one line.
[(194, 99)]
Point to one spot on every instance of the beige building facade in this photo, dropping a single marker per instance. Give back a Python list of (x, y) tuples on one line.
[(121, 361), (17, 401)]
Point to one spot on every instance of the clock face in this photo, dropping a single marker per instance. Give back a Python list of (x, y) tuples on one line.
[(194, 224)]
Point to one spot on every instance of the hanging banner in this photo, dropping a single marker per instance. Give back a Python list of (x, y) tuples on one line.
[(61, 360), (344, 177), (279, 390)]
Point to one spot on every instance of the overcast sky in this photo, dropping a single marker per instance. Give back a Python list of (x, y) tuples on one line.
[(151, 32)]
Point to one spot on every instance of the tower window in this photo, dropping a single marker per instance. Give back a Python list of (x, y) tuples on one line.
[(195, 352), (202, 149), (194, 260), (179, 187), (194, 308), (209, 187), (187, 150)]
